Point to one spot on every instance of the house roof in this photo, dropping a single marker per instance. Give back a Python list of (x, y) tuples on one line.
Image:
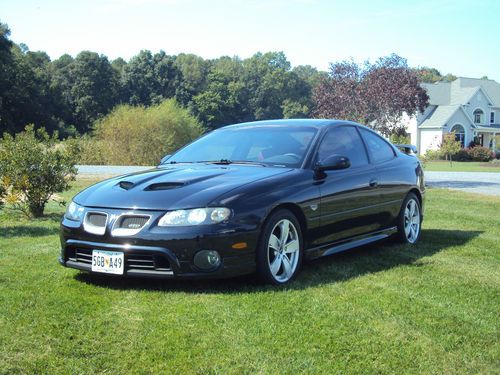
[(461, 90), (439, 92), (440, 116), (493, 128), (489, 86)]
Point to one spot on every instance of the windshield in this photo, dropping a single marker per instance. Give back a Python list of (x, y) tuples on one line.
[(269, 145)]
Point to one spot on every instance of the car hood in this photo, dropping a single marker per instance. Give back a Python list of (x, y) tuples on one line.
[(173, 187)]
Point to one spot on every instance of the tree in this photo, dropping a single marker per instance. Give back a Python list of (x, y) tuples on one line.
[(265, 77), (450, 146), (193, 77), (376, 95), (27, 95), (340, 95), (392, 89), (429, 75), (34, 169), (225, 99), (6, 75), (148, 79), (93, 92), (432, 75)]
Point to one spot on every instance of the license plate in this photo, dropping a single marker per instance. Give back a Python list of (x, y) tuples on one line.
[(107, 262)]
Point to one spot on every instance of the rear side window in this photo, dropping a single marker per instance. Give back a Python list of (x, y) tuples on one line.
[(344, 141), (380, 150)]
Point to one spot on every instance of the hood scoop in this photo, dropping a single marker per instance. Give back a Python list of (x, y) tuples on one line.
[(165, 186), (126, 185)]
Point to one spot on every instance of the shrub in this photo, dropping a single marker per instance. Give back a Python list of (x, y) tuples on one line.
[(141, 136), (34, 168), (3, 191), (432, 155), (497, 155), (461, 155), (91, 150), (480, 153)]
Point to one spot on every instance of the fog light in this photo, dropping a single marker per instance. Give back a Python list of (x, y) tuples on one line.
[(207, 259)]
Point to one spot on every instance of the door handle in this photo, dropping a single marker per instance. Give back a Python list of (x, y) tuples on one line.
[(373, 183)]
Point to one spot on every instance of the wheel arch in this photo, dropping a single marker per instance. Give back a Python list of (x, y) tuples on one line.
[(297, 211), (418, 194)]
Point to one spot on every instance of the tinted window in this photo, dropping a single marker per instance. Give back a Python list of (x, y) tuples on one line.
[(343, 141), (379, 148)]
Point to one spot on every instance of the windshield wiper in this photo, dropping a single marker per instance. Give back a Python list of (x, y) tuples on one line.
[(227, 162)]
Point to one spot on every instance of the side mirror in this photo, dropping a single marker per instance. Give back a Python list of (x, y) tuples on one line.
[(165, 158), (332, 163), (408, 149)]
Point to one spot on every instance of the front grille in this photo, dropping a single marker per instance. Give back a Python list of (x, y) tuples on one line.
[(95, 222), (97, 219), (129, 224), (83, 256), (133, 261), (133, 222)]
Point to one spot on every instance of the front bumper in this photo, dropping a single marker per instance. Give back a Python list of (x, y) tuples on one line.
[(164, 253)]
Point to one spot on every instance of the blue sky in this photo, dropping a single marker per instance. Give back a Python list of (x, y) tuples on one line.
[(461, 37)]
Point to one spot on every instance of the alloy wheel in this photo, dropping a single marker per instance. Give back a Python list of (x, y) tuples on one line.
[(283, 251), (412, 221)]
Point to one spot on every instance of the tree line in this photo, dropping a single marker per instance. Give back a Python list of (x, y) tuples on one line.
[(70, 94)]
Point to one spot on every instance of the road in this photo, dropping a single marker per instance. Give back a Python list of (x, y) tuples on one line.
[(472, 182)]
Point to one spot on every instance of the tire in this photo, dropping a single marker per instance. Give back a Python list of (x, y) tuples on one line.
[(409, 220), (278, 264)]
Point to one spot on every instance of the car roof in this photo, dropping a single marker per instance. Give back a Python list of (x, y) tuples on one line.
[(313, 123)]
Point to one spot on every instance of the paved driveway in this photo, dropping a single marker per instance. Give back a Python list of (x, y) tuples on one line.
[(472, 182)]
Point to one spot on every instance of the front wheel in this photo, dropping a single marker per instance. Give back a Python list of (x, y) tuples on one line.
[(279, 255), (409, 220)]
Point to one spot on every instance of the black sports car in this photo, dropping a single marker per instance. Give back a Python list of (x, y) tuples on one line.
[(253, 197)]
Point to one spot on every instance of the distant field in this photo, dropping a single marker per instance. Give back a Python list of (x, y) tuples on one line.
[(386, 308), (469, 166)]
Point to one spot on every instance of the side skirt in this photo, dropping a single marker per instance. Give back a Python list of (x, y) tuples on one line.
[(344, 245)]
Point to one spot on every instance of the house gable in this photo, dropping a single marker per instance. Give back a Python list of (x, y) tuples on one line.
[(441, 117), (479, 101)]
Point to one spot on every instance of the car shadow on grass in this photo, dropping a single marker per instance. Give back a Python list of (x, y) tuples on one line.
[(369, 259)]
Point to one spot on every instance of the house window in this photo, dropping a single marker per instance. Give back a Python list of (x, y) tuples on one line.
[(492, 117), (478, 116), (459, 134)]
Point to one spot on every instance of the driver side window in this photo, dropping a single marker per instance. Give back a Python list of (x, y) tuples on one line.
[(344, 141)]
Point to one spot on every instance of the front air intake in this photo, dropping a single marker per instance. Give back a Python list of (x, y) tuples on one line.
[(95, 222), (129, 224), (126, 185), (165, 186)]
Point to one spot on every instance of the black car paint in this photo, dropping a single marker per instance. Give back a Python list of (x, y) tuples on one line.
[(337, 209)]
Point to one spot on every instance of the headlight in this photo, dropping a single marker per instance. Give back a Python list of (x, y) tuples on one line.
[(74, 212), (196, 216)]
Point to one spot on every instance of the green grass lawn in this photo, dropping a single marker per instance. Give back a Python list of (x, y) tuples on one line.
[(386, 308), (461, 166)]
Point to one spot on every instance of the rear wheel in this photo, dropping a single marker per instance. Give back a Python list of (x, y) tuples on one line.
[(279, 255), (410, 220)]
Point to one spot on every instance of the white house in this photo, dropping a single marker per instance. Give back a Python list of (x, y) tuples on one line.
[(467, 106)]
